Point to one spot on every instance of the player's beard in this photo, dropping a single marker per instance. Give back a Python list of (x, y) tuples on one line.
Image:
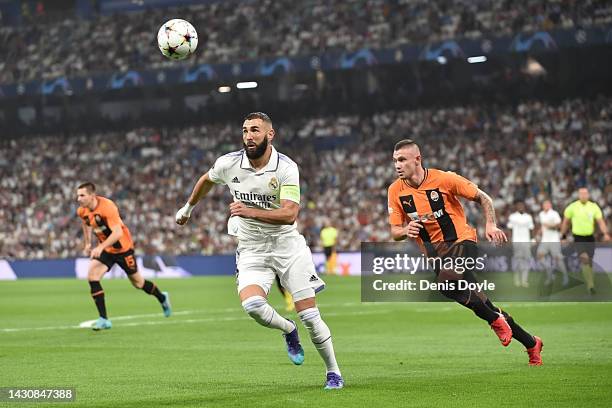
[(259, 151)]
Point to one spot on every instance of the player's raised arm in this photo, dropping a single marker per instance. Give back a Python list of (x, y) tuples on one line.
[(202, 187), (463, 187), (493, 233)]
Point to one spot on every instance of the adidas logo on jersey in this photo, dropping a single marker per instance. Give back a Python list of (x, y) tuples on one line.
[(313, 278), (235, 180)]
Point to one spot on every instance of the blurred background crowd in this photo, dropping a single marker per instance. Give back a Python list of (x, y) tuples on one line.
[(528, 152), (53, 45), (525, 125)]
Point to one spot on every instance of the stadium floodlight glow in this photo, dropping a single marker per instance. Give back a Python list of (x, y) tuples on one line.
[(224, 89), (246, 85), (442, 60), (477, 59)]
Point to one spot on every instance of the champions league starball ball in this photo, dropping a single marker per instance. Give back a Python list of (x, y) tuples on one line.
[(177, 39)]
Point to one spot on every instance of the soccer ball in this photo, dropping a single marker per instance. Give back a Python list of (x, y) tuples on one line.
[(177, 39)]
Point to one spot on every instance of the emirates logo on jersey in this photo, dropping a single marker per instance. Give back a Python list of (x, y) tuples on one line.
[(255, 199), (434, 196)]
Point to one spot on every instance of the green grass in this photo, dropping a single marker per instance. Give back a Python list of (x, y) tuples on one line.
[(211, 354)]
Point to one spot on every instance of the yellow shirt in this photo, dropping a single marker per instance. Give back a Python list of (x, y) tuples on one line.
[(583, 217), (329, 236)]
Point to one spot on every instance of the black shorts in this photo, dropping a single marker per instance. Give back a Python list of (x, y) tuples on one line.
[(460, 269), (328, 251), (463, 270), (125, 260), (585, 244)]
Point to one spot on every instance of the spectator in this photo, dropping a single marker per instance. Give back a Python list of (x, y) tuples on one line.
[(234, 30), (511, 152)]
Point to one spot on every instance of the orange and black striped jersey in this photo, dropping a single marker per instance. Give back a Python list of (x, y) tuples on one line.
[(436, 204), (101, 219)]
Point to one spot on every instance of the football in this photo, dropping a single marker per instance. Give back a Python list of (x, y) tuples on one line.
[(177, 39)]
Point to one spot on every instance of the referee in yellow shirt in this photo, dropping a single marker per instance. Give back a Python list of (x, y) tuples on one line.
[(329, 236), (583, 214)]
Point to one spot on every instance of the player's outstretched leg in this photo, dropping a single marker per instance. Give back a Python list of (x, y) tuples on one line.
[(96, 270), (260, 310), (535, 352), (151, 288), (294, 347), (473, 301), (533, 344), (320, 335), (254, 302)]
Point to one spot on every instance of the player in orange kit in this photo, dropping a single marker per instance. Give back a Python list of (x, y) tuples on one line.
[(100, 215), (424, 206)]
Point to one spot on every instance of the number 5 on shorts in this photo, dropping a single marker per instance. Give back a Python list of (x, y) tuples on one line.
[(130, 261)]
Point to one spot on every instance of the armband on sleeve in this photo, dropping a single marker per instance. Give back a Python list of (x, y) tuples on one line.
[(290, 192)]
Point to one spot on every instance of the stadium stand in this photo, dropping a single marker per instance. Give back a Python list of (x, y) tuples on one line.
[(530, 151), (241, 30)]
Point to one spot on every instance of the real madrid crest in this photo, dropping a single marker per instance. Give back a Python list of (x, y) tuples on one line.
[(434, 196), (273, 184)]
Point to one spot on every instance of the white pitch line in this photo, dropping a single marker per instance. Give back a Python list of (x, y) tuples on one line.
[(87, 324), (236, 318), (175, 321)]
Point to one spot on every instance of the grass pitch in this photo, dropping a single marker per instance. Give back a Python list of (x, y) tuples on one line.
[(211, 354)]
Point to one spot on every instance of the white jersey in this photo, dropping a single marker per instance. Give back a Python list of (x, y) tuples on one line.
[(521, 224), (259, 189), (550, 217)]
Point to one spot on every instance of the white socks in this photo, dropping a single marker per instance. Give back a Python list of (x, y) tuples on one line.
[(258, 308), (320, 336)]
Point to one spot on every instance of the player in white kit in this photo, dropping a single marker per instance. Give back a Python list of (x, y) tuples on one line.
[(521, 224), (550, 242), (266, 191)]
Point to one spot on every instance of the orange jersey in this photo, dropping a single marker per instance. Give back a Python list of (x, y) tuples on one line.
[(435, 203), (104, 216)]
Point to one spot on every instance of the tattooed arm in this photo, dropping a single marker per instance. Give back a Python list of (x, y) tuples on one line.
[(493, 233)]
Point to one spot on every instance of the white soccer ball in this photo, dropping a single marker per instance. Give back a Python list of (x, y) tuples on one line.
[(177, 39)]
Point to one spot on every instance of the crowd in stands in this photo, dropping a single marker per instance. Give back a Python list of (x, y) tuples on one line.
[(235, 30), (527, 152)]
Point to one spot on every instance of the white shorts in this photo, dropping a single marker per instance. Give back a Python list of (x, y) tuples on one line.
[(521, 250), (552, 248), (289, 257)]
